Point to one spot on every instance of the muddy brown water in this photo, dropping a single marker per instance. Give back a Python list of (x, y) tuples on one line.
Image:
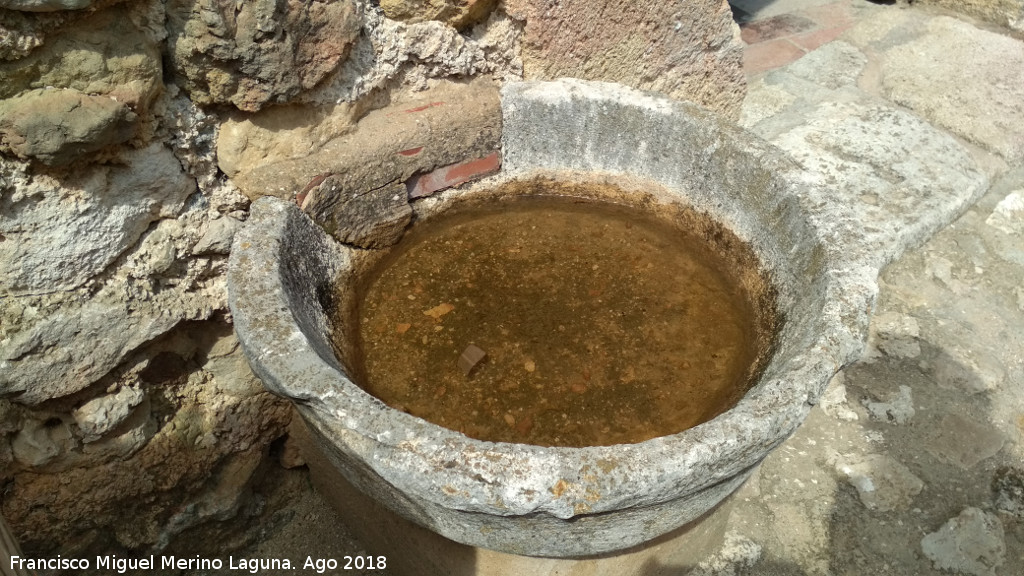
[(601, 324)]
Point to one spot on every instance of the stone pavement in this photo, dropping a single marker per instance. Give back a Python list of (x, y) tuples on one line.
[(913, 462)]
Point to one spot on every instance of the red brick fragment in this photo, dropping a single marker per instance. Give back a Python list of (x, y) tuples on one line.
[(452, 175), (411, 151), (317, 180), (424, 107)]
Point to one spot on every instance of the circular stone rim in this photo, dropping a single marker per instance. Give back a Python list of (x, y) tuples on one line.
[(445, 480)]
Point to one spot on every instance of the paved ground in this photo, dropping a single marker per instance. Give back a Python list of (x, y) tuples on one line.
[(913, 463)]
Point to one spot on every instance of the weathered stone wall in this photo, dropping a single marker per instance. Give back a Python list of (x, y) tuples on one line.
[(133, 136)]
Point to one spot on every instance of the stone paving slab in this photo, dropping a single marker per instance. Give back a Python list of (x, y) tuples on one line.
[(892, 170), (774, 39), (930, 424), (966, 80)]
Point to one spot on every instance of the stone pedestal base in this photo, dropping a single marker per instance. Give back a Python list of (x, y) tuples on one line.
[(412, 550)]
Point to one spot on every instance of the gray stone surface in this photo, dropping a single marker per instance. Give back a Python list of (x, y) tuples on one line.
[(833, 66), (1002, 13), (1008, 215), (45, 5), (39, 444), (898, 408), (50, 248), (68, 351), (834, 401), (218, 236), (1008, 491), (614, 495), (972, 371), (971, 543)]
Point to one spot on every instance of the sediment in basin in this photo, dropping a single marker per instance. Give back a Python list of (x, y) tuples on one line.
[(602, 323)]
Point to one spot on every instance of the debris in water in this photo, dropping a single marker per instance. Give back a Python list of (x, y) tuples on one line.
[(440, 310), (524, 425), (471, 356), (626, 349), (402, 327), (510, 419)]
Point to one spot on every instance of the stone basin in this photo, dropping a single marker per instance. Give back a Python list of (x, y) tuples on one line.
[(821, 252)]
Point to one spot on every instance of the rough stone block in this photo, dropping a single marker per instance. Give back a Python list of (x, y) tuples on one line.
[(40, 444), (880, 159), (686, 50), (460, 14), (111, 53), (102, 414), (895, 335), (445, 125), (218, 236), (58, 127), (61, 233), (373, 219), (280, 133), (1008, 215), (251, 54)]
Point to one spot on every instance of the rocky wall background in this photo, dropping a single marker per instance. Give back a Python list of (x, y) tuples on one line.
[(133, 136)]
